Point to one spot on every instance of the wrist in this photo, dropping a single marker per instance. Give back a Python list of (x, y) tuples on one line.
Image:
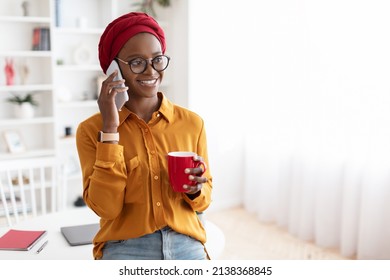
[(110, 129), (105, 137)]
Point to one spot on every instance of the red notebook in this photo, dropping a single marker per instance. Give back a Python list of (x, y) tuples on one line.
[(20, 240)]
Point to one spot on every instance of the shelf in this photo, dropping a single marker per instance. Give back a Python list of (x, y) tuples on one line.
[(26, 53), (21, 88), (20, 19), (85, 67), (78, 104), (28, 154), (80, 31), (36, 120), (67, 140)]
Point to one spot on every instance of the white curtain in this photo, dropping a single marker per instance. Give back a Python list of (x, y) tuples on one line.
[(302, 90), (317, 158)]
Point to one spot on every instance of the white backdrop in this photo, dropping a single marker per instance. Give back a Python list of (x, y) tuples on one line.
[(296, 95)]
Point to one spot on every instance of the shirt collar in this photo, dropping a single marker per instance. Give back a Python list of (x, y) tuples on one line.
[(166, 110)]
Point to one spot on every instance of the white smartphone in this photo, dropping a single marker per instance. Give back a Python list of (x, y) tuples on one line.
[(121, 97)]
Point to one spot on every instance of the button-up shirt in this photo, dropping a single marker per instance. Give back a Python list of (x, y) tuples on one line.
[(127, 184)]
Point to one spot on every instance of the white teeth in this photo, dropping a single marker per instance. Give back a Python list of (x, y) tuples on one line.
[(149, 82)]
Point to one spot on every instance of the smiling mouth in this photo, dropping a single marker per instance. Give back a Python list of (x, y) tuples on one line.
[(148, 82)]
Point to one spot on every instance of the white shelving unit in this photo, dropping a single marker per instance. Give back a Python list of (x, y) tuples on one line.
[(35, 133), (64, 78), (76, 68)]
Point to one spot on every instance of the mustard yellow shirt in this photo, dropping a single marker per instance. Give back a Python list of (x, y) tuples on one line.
[(127, 185)]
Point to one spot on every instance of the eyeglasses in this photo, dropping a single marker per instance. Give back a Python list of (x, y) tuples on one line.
[(138, 65)]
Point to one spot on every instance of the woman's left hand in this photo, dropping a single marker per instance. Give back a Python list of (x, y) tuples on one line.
[(195, 174)]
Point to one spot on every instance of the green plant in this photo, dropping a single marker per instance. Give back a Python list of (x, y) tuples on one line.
[(147, 6), (28, 98), (164, 3)]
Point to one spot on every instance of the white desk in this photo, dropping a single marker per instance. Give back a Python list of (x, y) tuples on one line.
[(59, 249)]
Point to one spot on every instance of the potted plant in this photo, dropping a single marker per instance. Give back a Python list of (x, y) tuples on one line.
[(146, 6), (24, 105)]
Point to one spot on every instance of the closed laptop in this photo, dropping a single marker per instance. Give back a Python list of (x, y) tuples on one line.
[(80, 234)]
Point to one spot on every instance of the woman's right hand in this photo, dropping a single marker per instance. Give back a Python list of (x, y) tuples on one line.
[(106, 102)]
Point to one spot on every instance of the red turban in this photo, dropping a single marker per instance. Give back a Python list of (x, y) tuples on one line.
[(119, 31)]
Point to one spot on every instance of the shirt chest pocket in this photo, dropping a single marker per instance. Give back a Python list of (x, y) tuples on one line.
[(135, 187)]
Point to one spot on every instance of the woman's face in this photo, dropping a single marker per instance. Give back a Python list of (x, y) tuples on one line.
[(147, 46)]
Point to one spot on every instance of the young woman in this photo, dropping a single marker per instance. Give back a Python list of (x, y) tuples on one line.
[(123, 153)]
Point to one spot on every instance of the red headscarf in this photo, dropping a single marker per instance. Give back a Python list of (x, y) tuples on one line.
[(119, 31)]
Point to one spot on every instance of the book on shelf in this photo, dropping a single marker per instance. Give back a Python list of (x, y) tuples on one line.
[(57, 10), (20, 240), (41, 39)]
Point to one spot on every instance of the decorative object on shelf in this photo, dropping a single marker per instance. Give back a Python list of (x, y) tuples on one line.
[(14, 142), (79, 202), (63, 94), (24, 105), (147, 6), (82, 55), (9, 71), (68, 131), (85, 96), (24, 73), (24, 111), (26, 8), (82, 22), (16, 180)]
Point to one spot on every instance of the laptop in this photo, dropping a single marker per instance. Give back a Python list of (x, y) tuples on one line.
[(80, 234)]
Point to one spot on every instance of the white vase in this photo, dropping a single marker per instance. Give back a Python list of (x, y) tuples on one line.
[(24, 111)]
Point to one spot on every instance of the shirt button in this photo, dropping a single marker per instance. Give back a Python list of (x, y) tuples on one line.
[(146, 130), (152, 152), (158, 115), (158, 203), (156, 177)]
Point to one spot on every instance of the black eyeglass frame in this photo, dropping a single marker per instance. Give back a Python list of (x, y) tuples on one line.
[(148, 61)]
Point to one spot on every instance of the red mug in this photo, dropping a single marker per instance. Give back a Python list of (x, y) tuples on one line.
[(177, 163)]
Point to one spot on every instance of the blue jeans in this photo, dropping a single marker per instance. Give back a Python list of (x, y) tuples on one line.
[(164, 244)]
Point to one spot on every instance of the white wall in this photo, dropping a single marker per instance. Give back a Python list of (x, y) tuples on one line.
[(176, 32), (287, 50), (216, 88)]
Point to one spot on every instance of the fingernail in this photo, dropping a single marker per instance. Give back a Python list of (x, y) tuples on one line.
[(191, 177), (186, 171), (185, 187)]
